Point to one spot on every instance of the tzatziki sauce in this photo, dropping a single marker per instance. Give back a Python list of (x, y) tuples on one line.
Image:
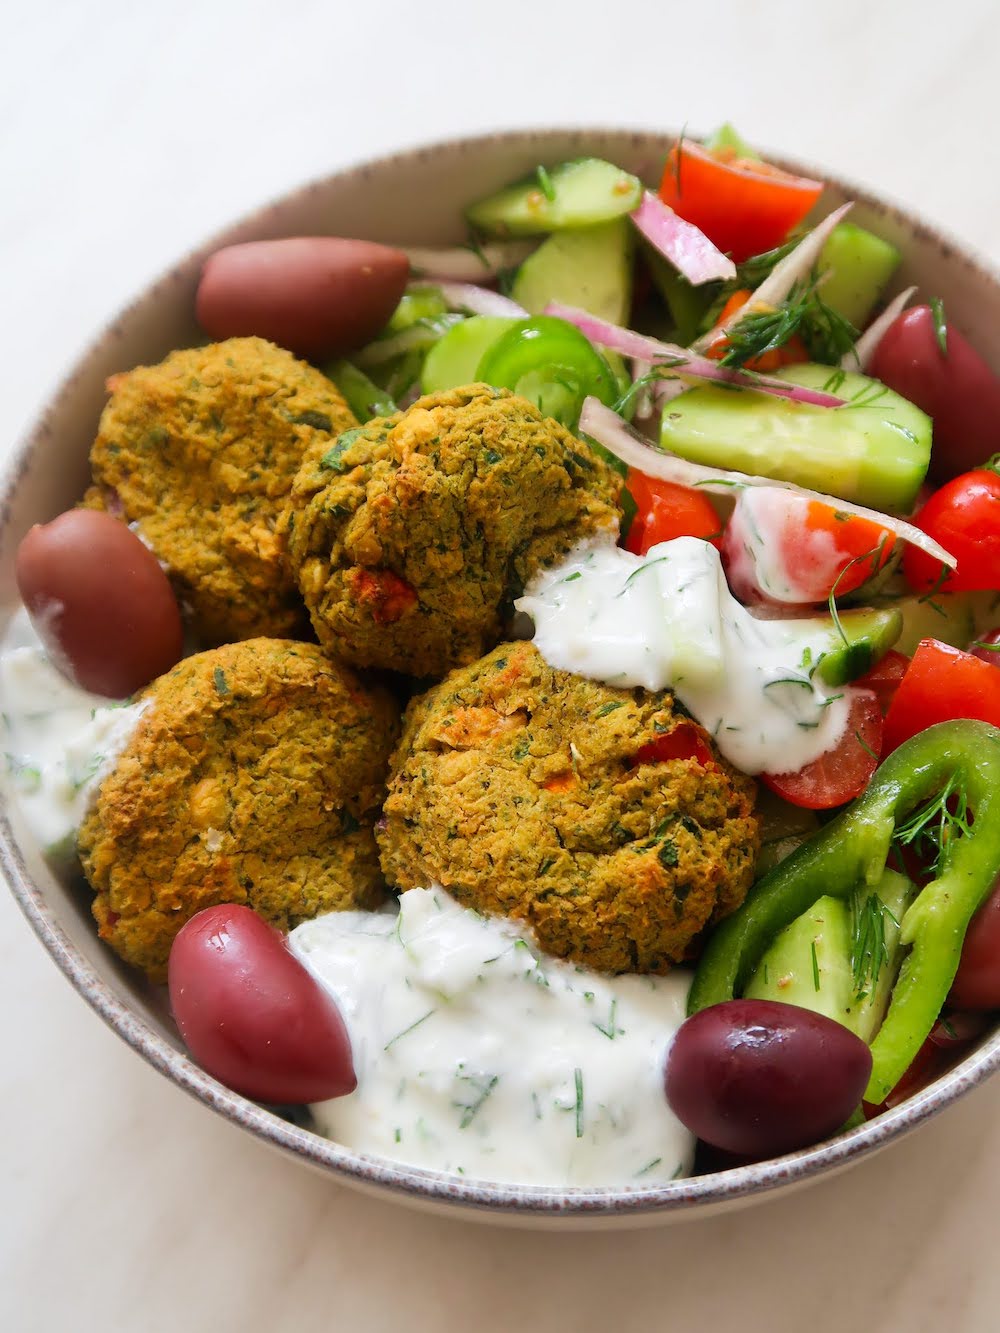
[(59, 741), (667, 620), (476, 1054)]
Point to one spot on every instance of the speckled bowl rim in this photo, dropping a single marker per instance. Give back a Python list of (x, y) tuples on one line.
[(691, 1196)]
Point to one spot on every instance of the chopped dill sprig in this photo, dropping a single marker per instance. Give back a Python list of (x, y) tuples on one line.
[(545, 183), (644, 1170), (826, 334), (869, 952), (754, 270), (660, 560), (578, 1084), (481, 1086), (392, 1040), (934, 826), (609, 1031), (940, 324), (815, 966), (875, 555), (865, 746), (661, 371)]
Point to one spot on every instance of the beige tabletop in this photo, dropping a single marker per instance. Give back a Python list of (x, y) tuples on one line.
[(128, 131)]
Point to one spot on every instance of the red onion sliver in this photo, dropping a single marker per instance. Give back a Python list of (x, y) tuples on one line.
[(686, 246), (684, 364), (460, 264), (608, 428), (860, 356), (795, 267), (475, 300)]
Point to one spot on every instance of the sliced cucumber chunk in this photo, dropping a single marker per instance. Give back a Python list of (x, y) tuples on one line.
[(864, 636), (590, 267), (874, 450), (574, 194), (688, 305), (809, 963), (727, 142), (859, 265), (867, 1007), (455, 359)]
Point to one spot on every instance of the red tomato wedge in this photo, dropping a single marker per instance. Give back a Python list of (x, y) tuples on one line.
[(686, 741), (743, 207), (843, 772), (885, 677), (964, 517), (665, 510), (941, 684)]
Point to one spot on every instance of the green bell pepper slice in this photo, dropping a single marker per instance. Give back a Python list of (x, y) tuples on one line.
[(552, 364), (852, 850)]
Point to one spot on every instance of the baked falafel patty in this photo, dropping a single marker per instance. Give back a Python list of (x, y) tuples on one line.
[(533, 793), (254, 775), (200, 452), (413, 534)]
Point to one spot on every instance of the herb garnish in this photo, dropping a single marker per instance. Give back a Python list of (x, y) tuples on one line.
[(610, 1030), (578, 1083), (940, 324), (869, 952), (481, 1085), (221, 684), (933, 827), (392, 1040), (815, 966), (545, 183)]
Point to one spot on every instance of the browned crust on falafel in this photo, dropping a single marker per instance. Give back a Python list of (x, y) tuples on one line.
[(412, 536), (518, 788), (254, 775)]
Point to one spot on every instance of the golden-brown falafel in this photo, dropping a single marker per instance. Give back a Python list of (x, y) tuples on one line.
[(200, 451), (254, 775), (533, 793), (412, 536)]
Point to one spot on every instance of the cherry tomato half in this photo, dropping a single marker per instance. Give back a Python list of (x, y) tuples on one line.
[(743, 207), (665, 510), (964, 516), (843, 772)]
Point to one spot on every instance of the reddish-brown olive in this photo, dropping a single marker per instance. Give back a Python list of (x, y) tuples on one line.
[(250, 1013), (316, 295), (99, 601)]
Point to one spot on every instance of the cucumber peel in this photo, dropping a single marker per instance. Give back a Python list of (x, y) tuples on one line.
[(580, 193)]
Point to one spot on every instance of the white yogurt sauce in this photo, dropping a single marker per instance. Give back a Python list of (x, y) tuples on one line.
[(668, 620), (477, 1055), (59, 741), (758, 560)]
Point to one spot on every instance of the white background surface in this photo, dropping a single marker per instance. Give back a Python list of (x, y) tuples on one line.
[(128, 131)]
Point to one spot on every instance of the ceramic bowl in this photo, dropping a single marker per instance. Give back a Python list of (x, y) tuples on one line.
[(48, 472)]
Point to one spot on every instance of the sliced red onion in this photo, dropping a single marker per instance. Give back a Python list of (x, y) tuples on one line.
[(795, 267), (684, 364), (860, 355), (686, 246), (474, 300), (423, 333), (460, 263), (608, 428)]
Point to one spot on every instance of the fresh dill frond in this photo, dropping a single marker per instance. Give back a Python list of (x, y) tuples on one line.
[(545, 183), (933, 827), (661, 371), (875, 555), (826, 334), (752, 272), (815, 966), (869, 951), (940, 324), (865, 746)]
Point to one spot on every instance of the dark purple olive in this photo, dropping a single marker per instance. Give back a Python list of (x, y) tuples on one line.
[(759, 1078)]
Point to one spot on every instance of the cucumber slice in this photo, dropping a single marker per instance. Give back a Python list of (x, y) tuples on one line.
[(454, 360), (688, 305), (864, 636), (419, 303), (859, 265), (874, 450), (954, 618), (809, 963), (728, 143), (590, 267), (573, 194)]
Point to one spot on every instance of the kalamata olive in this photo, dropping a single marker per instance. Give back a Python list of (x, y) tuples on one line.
[(250, 1013), (959, 391), (760, 1078), (977, 981), (987, 647), (99, 601), (315, 295)]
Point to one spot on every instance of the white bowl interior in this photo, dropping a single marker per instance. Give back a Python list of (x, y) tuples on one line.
[(413, 198)]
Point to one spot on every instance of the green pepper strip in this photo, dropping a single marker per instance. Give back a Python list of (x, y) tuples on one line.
[(548, 353), (362, 395), (852, 849)]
